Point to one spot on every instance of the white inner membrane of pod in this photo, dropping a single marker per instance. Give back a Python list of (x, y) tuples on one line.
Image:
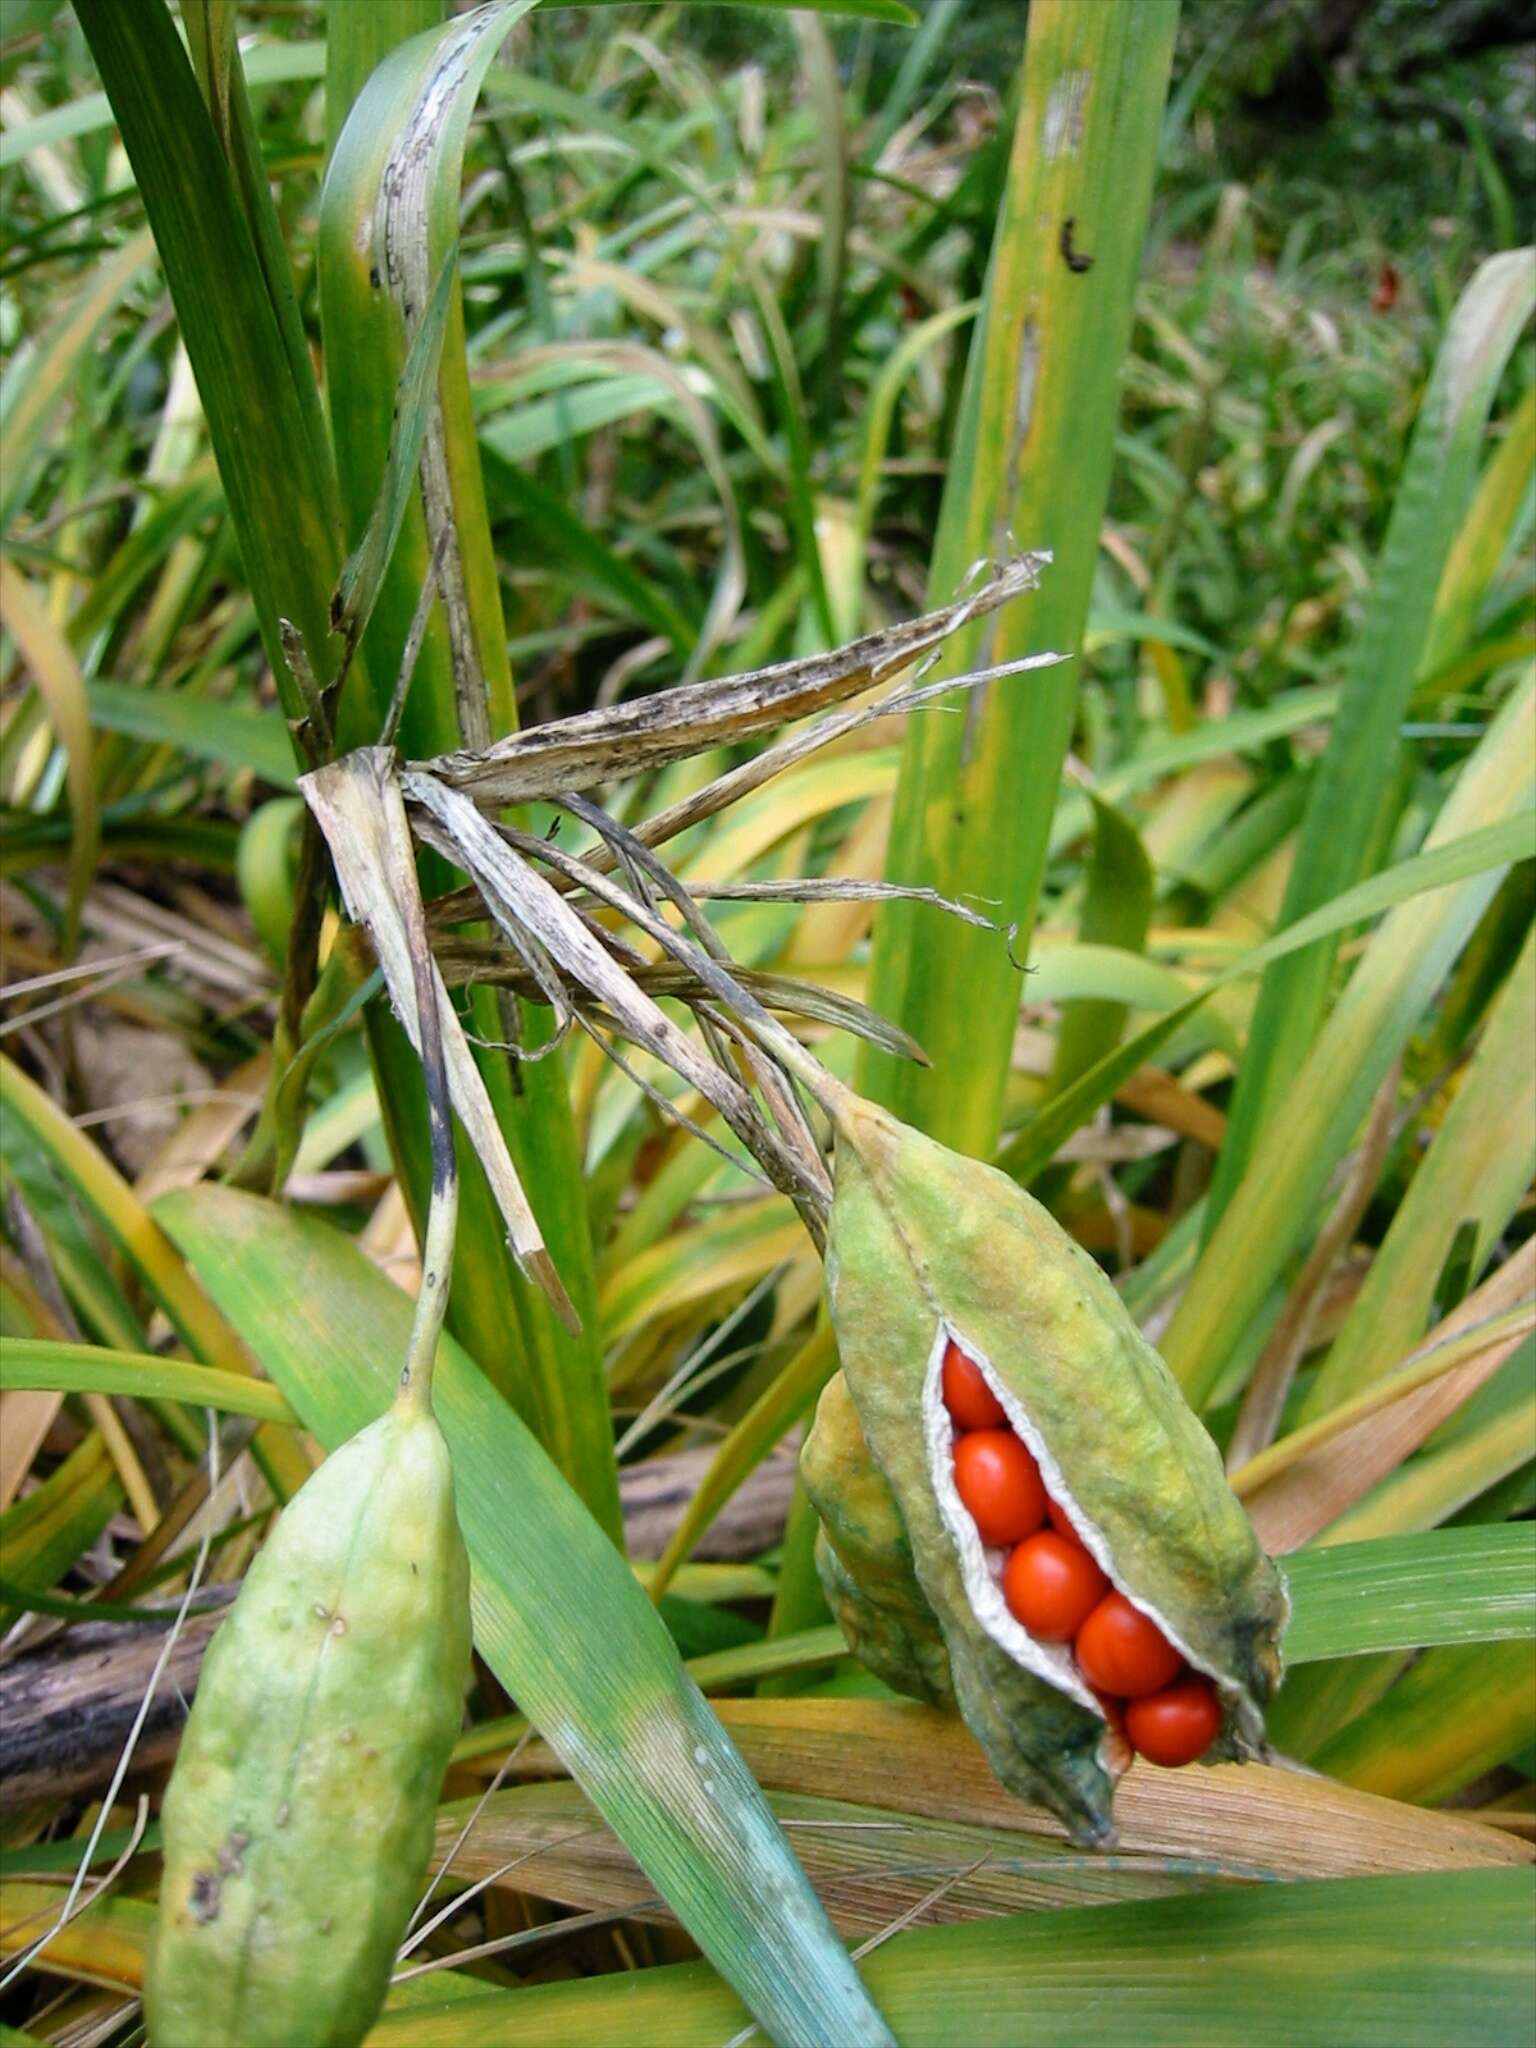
[(982, 1568)]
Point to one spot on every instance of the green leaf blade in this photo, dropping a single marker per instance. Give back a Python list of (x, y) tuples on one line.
[(558, 1615), (1353, 790)]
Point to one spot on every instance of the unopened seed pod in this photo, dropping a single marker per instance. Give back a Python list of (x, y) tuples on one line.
[(927, 1248), (299, 1818)]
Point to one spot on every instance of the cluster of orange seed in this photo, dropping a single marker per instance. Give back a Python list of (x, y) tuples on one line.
[(1057, 1590)]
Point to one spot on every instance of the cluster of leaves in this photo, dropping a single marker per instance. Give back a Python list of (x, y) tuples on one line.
[(719, 283)]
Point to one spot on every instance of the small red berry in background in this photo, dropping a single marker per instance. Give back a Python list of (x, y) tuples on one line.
[(1176, 1725), (1052, 1585), (1120, 1651), (1000, 1484), (970, 1401)]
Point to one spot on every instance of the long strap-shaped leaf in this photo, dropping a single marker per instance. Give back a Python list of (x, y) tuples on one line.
[(31, 1119), (1451, 858), (1355, 779), (1358, 1963), (276, 472), (558, 1615), (388, 232), (1277, 1200), (90, 1368), (1361, 1962), (358, 805), (1477, 1170), (216, 242), (978, 789), (39, 374), (52, 666)]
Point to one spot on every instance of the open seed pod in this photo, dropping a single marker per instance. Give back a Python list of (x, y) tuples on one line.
[(926, 1247)]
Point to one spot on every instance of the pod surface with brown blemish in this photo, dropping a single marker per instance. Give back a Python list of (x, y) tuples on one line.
[(925, 1245)]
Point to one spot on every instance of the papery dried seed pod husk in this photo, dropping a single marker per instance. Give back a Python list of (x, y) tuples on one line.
[(925, 1246)]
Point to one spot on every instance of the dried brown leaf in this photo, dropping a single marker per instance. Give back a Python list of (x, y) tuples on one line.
[(357, 804), (1290, 1509), (604, 746)]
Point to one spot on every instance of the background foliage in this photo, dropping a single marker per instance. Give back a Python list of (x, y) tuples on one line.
[(720, 273)]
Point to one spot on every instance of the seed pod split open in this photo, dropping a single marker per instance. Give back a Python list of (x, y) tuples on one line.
[(925, 1246)]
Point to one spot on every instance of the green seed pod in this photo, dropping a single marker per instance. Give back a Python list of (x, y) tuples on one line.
[(298, 1821), (864, 1559), (926, 1246)]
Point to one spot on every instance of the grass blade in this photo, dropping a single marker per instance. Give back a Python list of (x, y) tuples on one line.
[(1117, 909), (1352, 791), (389, 224), (1406, 1592), (51, 663), (558, 1615), (31, 1119), (1451, 1717), (277, 477), (1474, 853), (206, 728), (1404, 964), (1356, 1962), (89, 1369), (37, 378), (978, 786), (1477, 1171), (42, 1535)]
